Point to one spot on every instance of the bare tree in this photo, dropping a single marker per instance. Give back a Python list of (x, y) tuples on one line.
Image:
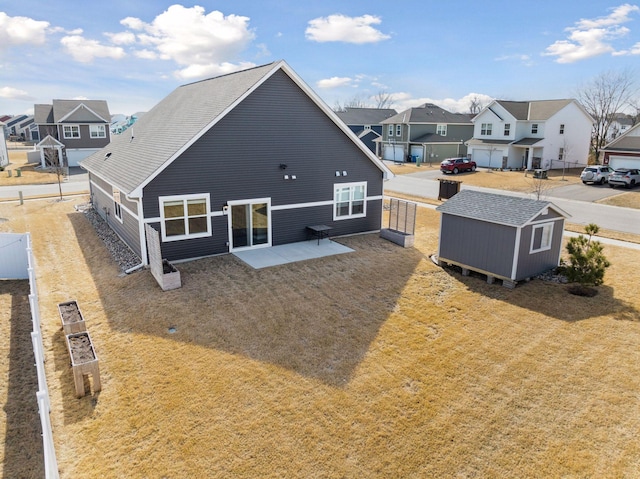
[(606, 94), (383, 99), (475, 105), (53, 159)]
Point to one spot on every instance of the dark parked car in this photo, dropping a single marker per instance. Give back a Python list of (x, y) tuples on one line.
[(457, 165), (626, 177)]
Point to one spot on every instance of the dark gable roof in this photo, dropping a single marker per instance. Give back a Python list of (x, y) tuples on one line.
[(429, 113), (169, 128), (533, 110), (365, 116), (495, 208), (49, 114), (629, 141)]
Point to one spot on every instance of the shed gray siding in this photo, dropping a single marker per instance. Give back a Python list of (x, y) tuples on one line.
[(487, 247), (239, 158), (531, 264), (102, 200)]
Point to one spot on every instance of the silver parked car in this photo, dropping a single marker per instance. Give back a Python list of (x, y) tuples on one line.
[(595, 174), (626, 177)]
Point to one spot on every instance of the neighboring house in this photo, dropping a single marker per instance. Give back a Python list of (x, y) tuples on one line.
[(620, 123), (427, 133), (78, 128), (529, 135), (366, 123), (504, 237), (624, 151), (13, 124), (119, 123), (4, 154), (258, 157), (24, 128)]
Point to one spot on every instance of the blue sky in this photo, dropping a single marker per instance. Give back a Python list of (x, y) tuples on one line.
[(133, 53)]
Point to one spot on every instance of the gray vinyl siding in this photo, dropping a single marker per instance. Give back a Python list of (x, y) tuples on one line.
[(85, 140), (240, 157), (103, 203), (531, 264), (477, 244)]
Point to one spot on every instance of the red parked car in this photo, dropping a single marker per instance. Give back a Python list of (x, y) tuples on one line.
[(457, 165)]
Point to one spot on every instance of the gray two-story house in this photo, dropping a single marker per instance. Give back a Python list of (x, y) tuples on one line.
[(71, 130), (426, 134), (366, 123), (258, 160)]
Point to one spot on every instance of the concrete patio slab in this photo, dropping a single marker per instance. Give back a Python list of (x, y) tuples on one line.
[(289, 253)]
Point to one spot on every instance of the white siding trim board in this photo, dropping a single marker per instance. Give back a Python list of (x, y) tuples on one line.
[(110, 196)]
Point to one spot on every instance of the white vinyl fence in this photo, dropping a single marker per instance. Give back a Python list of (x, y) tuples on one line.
[(16, 260)]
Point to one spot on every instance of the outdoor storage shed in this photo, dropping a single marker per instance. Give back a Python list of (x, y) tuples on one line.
[(504, 237)]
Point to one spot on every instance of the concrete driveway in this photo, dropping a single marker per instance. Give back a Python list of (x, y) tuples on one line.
[(580, 192)]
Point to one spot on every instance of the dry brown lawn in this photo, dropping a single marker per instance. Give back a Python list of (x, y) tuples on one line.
[(375, 363), (30, 175)]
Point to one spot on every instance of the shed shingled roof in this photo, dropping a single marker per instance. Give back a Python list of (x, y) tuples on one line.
[(495, 208)]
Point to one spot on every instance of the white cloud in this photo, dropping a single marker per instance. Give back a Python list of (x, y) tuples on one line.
[(14, 94), (84, 50), (211, 69), (593, 37), (122, 38), (21, 30), (403, 101), (201, 43), (523, 58), (334, 82), (340, 28)]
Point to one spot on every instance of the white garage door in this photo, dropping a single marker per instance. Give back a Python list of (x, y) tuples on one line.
[(74, 156), (624, 162), (393, 153)]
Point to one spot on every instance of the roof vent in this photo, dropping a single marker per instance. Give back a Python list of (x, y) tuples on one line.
[(106, 157)]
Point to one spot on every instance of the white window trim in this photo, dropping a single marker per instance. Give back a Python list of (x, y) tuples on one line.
[(117, 205), (486, 129), (536, 127), (64, 132), (184, 198), (543, 246), (398, 130), (441, 129), (99, 129), (507, 129), (562, 128), (351, 186)]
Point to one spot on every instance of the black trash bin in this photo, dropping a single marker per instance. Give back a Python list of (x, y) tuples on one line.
[(448, 188)]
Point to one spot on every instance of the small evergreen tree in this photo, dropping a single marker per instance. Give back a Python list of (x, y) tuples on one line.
[(587, 263)]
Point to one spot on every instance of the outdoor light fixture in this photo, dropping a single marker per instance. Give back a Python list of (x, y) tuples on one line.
[(344, 173), (337, 173), (293, 177), (286, 177)]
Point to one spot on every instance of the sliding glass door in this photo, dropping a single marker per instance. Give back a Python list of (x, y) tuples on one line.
[(249, 224)]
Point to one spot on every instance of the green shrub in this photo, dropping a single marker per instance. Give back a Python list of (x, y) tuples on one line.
[(587, 263)]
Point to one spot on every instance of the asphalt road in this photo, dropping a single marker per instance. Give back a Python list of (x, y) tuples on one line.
[(576, 199)]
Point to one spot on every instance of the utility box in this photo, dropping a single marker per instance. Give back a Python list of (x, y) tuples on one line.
[(448, 188)]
